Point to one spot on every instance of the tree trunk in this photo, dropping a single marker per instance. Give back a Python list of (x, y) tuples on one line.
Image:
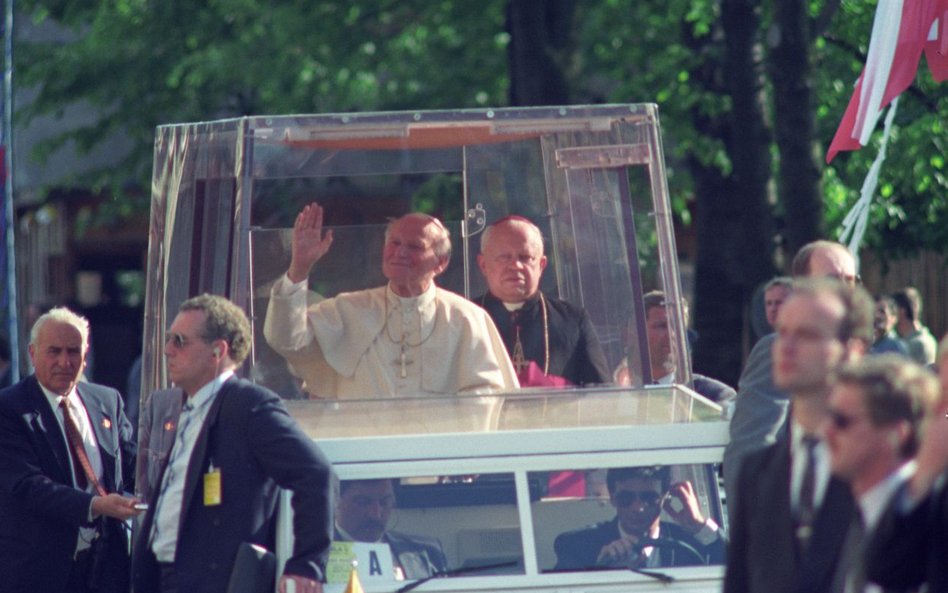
[(734, 221), (540, 51), (799, 177)]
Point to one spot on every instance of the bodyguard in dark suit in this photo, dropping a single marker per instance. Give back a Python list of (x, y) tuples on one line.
[(790, 518), (761, 408), (362, 515), (557, 337), (910, 546), (234, 446), (61, 527), (639, 494), (768, 557)]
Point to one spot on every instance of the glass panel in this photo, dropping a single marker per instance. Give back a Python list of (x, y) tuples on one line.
[(591, 178), (628, 517), (532, 409), (460, 524)]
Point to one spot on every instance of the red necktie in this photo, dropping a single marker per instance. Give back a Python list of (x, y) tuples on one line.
[(82, 468)]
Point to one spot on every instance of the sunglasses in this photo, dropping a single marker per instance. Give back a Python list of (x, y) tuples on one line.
[(842, 421), (627, 497), (176, 340)]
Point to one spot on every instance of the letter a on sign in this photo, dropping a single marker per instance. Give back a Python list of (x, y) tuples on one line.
[(375, 567)]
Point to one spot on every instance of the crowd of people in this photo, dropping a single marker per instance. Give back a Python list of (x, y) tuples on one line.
[(834, 474)]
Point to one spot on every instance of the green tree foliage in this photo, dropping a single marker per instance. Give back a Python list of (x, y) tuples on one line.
[(145, 63)]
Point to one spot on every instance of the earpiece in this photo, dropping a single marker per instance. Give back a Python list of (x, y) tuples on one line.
[(217, 352)]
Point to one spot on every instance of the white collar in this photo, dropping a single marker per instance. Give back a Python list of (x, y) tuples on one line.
[(206, 393), (55, 399), (415, 302), (875, 500)]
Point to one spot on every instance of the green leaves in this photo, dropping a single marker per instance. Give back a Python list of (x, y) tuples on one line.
[(147, 62)]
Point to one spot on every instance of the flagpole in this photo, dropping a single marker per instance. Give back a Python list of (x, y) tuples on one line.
[(9, 225)]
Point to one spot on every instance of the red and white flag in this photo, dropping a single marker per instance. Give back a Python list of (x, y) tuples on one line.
[(901, 32)]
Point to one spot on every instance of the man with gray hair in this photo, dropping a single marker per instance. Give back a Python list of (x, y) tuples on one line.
[(548, 338), (66, 454), (407, 338)]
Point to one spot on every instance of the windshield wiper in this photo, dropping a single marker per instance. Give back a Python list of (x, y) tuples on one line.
[(658, 576), (454, 571)]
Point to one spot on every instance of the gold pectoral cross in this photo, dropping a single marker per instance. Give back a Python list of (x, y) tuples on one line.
[(403, 361), (519, 361)]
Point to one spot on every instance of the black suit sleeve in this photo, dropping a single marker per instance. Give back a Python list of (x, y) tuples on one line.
[(591, 364), (896, 551), (296, 464), (22, 473), (736, 575)]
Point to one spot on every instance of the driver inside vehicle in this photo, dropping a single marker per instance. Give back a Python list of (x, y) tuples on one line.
[(363, 512), (637, 537)]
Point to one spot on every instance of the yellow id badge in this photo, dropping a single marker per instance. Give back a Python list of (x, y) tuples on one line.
[(212, 487)]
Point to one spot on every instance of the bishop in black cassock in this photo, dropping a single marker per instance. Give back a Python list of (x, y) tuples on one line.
[(555, 335)]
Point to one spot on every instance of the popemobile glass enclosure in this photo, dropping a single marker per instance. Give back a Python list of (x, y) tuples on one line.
[(489, 479)]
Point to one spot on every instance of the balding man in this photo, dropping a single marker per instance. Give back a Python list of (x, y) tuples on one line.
[(403, 339), (760, 410), (546, 337), (66, 452)]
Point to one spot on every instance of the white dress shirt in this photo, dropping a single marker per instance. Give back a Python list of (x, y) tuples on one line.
[(798, 454), (164, 534), (90, 444)]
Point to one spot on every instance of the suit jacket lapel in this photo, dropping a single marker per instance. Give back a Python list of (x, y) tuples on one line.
[(773, 521), (44, 422), (101, 422), (196, 464), (829, 533)]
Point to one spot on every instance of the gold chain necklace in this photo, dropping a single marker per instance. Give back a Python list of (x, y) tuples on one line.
[(517, 357)]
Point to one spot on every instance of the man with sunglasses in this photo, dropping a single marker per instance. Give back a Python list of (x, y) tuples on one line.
[(876, 410), (231, 447), (908, 548), (637, 537), (789, 516), (406, 338)]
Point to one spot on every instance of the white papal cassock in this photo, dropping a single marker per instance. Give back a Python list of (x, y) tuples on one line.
[(374, 343)]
